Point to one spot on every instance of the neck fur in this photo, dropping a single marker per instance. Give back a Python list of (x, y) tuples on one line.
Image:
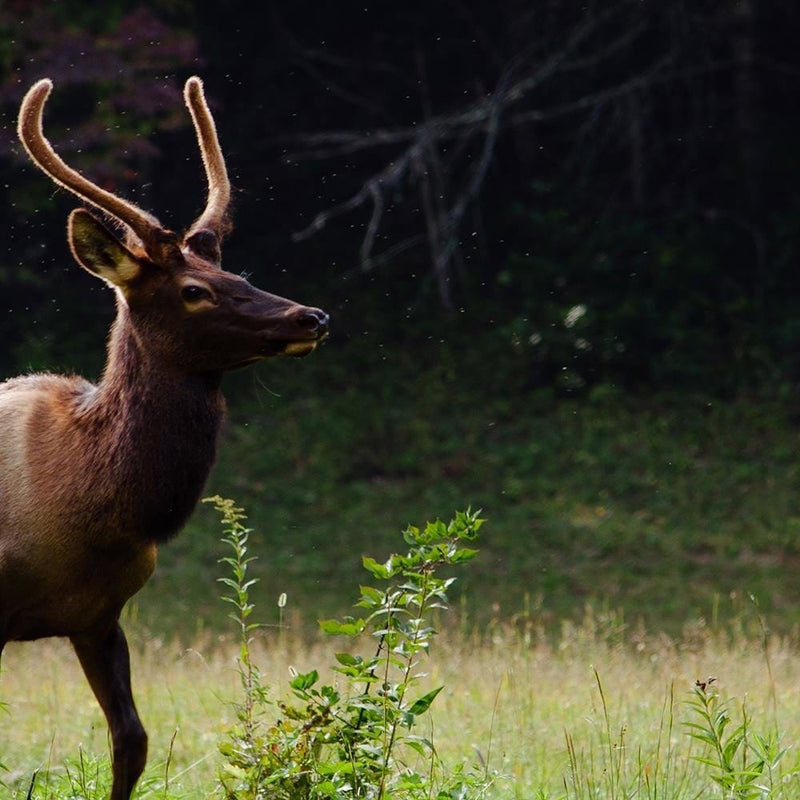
[(160, 430)]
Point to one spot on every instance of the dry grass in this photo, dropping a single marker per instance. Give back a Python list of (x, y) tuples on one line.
[(52, 712), (512, 699)]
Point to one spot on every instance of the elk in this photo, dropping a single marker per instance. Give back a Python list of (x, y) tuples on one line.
[(94, 477)]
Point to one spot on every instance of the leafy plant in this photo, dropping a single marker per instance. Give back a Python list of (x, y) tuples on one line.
[(242, 750), (743, 761), (359, 739)]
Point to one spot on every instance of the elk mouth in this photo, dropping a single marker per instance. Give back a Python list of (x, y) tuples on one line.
[(316, 324), (299, 349), (296, 348)]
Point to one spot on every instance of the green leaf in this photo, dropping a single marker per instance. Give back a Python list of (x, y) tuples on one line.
[(237, 772), (330, 695), (411, 535), (463, 555), (325, 789), (421, 705), (435, 531), (371, 597), (350, 627), (381, 571), (348, 660), (304, 681), (707, 761)]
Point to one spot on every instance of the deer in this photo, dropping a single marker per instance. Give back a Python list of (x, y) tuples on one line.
[(95, 477)]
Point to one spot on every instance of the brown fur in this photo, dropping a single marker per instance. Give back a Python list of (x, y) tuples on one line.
[(94, 477)]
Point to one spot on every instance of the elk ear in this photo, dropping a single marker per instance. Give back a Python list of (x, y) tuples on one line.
[(205, 243), (97, 250)]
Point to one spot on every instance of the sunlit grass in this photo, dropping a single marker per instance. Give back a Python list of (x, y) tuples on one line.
[(52, 712), (596, 711)]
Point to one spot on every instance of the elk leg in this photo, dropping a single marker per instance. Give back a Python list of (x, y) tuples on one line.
[(105, 660)]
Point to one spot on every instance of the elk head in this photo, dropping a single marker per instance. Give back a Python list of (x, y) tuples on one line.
[(193, 316)]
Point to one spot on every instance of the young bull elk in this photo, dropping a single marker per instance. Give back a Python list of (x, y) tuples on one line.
[(93, 478)]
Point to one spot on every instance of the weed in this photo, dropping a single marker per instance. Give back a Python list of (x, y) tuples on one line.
[(743, 762), (238, 583), (360, 739)]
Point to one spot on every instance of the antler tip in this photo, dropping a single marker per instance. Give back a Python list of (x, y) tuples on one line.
[(30, 110), (40, 89), (193, 88)]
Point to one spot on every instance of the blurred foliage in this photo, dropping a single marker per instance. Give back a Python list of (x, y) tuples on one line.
[(645, 192), (115, 70), (628, 303)]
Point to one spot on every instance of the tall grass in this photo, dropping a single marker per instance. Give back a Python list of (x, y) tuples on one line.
[(599, 711)]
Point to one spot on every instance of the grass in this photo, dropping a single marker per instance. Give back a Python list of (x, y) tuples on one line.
[(663, 508), (597, 712)]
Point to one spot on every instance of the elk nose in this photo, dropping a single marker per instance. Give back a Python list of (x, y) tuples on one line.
[(314, 320)]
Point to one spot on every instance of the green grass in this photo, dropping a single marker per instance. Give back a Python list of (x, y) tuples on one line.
[(664, 509)]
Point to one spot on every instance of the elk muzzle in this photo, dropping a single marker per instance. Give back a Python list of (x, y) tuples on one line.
[(315, 323)]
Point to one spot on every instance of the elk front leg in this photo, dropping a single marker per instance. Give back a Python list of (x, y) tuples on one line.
[(104, 657)]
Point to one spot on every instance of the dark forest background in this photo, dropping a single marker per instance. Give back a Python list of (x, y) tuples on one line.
[(548, 233)]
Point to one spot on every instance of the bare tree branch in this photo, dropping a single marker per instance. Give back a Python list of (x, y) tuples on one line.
[(414, 152), (389, 177)]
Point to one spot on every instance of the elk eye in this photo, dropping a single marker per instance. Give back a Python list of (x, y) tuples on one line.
[(192, 293)]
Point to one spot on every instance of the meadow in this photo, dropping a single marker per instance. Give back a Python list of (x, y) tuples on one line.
[(600, 711)]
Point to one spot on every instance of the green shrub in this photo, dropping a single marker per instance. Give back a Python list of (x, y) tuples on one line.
[(741, 761), (359, 737)]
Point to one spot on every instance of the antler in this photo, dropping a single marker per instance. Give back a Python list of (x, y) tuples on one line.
[(215, 217), (29, 128)]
